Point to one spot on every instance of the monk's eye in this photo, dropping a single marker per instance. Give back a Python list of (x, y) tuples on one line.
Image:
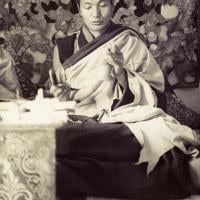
[(103, 4), (87, 6)]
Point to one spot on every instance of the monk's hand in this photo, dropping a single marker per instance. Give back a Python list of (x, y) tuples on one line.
[(61, 91), (60, 74), (115, 59)]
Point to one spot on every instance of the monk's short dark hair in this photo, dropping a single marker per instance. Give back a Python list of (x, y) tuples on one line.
[(78, 2)]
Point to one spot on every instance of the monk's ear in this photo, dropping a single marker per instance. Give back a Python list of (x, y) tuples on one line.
[(77, 3), (79, 11)]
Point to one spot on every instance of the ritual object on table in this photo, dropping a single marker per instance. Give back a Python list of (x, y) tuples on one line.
[(40, 110)]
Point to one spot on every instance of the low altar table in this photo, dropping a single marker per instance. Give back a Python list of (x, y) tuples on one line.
[(27, 146)]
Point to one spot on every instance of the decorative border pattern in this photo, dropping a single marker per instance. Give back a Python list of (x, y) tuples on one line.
[(27, 162)]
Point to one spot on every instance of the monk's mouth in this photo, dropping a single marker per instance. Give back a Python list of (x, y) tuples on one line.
[(97, 23)]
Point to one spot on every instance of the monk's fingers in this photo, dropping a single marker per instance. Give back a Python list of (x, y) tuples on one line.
[(115, 68), (60, 75), (110, 61), (116, 51), (64, 96), (118, 70), (60, 92), (115, 59), (118, 60), (53, 89), (115, 62)]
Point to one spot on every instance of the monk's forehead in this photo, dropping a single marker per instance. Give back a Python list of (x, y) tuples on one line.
[(94, 1)]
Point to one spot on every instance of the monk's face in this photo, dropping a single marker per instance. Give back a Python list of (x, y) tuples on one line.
[(96, 15)]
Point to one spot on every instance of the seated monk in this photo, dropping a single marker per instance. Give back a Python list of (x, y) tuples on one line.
[(126, 146)]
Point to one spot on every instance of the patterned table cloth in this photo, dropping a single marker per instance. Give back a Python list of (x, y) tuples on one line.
[(27, 162)]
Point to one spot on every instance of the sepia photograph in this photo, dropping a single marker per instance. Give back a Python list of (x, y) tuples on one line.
[(99, 100)]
